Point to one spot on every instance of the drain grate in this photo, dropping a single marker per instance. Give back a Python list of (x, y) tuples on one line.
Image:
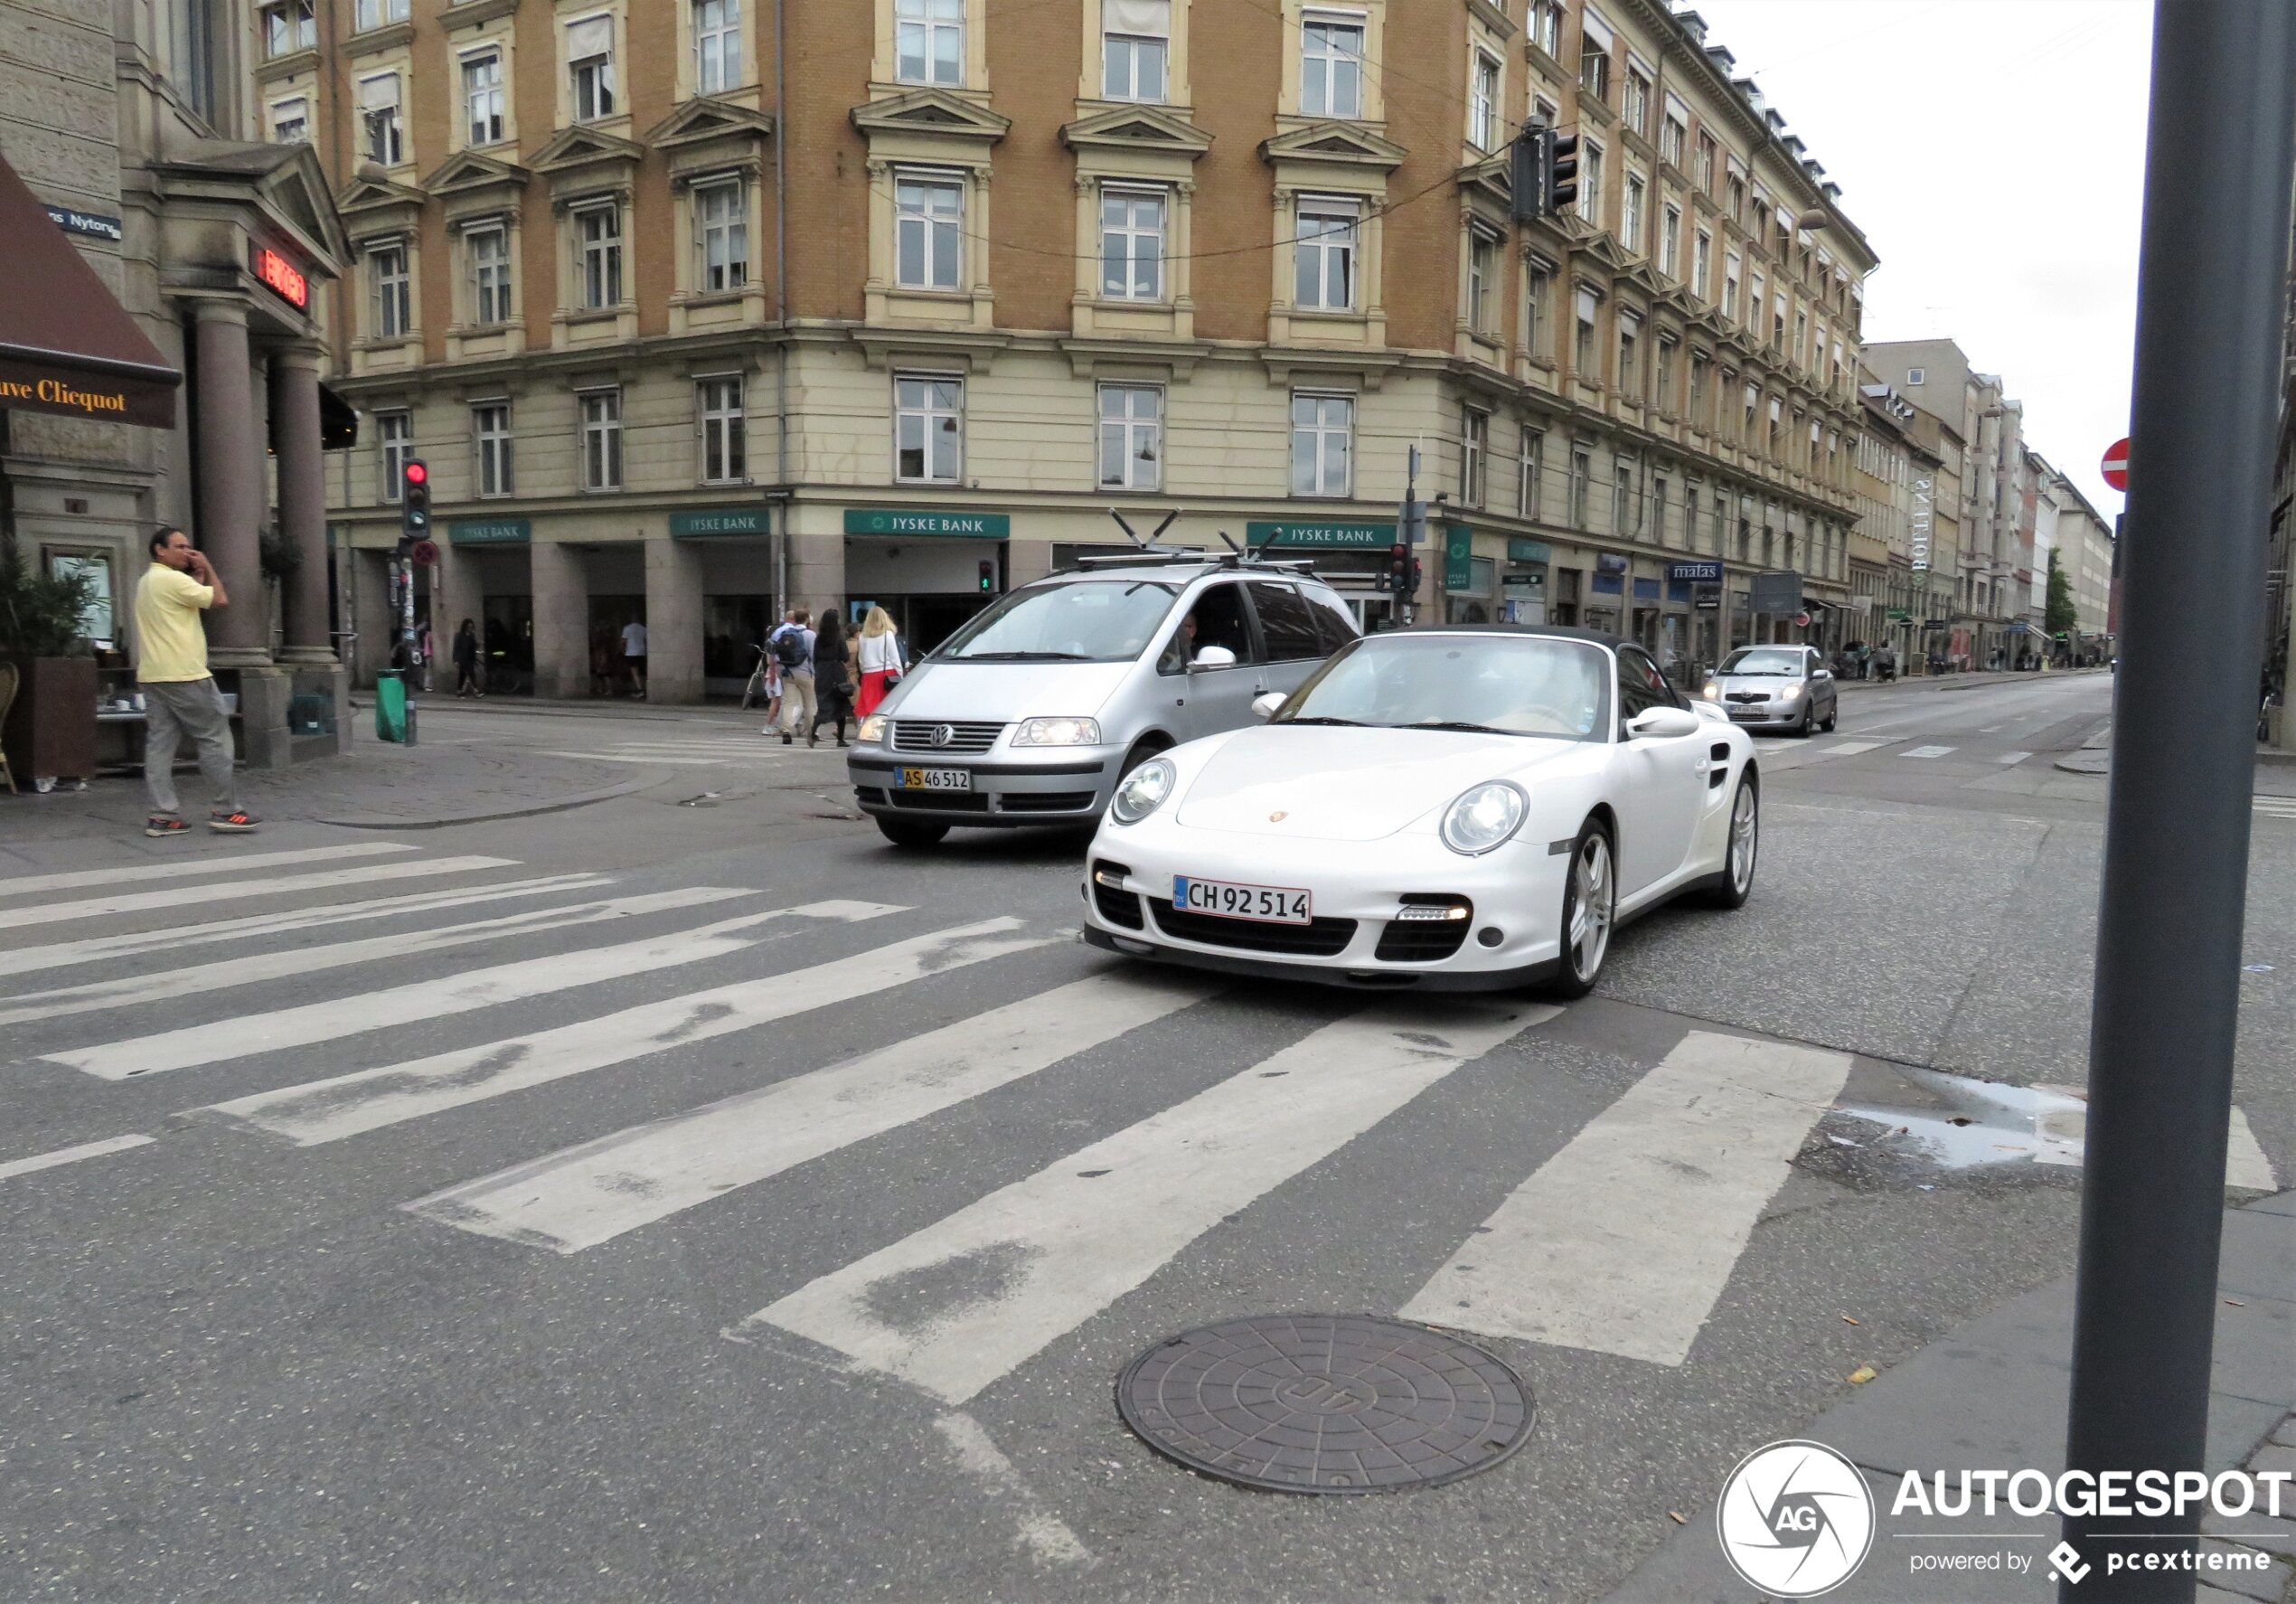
[(1325, 1403)]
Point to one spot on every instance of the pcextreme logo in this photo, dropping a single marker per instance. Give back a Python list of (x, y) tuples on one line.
[(1796, 1519)]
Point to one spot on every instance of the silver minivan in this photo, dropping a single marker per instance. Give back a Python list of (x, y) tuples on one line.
[(1032, 712)]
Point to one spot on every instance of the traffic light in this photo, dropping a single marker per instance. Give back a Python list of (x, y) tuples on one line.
[(414, 501), (1558, 171), (988, 573), (1400, 565), (1527, 175)]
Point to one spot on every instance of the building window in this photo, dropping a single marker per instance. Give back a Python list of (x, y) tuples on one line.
[(1704, 175), (1331, 68), (1637, 110), (1483, 269), (1132, 437), (288, 25), (1664, 393), (1630, 364), (601, 440), (1915, 375), (489, 252), (387, 274), (379, 119), (1715, 518), (1135, 48), (1730, 266), (1801, 337), (1590, 182), (589, 61), (1131, 245), (722, 220), (717, 46), (1669, 242), (1657, 508), (1774, 443), (1733, 198), (1674, 136), (1546, 26), (377, 14), (1583, 348), (928, 430), (1582, 484), (1622, 475), (724, 434), (597, 233), (1527, 471), (1754, 303), (1630, 214), (291, 122), (1777, 321), (395, 434), (1474, 446), (483, 99), (490, 423), (1699, 367), (1702, 265), (1322, 444), (1538, 290), (928, 41), (928, 215), (1752, 407), (1483, 104), (1594, 57), (1323, 256)]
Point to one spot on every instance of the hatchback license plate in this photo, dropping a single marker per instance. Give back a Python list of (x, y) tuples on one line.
[(936, 780), (1267, 904)]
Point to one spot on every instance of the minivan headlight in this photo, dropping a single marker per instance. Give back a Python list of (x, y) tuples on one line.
[(1144, 791), (1057, 732), (872, 728), (1483, 817)]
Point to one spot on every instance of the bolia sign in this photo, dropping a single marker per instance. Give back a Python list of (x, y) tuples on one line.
[(1922, 502)]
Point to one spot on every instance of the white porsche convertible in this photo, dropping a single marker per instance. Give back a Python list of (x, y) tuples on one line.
[(1468, 807)]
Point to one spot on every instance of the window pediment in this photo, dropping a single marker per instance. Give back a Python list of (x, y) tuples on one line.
[(703, 121), (1489, 184), (1336, 144), (469, 174), (1143, 129), (372, 205), (583, 152), (931, 111)]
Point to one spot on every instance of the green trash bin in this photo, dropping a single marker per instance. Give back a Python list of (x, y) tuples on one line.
[(394, 719)]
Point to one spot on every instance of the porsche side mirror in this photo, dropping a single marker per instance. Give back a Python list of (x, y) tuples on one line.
[(1264, 706), (1662, 723), (1214, 658)]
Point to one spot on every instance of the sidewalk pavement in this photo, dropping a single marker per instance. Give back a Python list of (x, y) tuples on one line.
[(1990, 1395), (1970, 680), (612, 707), (2095, 756)]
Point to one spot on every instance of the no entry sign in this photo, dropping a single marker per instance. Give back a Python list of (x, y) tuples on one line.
[(2115, 467)]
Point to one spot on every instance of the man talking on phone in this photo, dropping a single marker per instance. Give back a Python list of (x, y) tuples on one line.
[(180, 696)]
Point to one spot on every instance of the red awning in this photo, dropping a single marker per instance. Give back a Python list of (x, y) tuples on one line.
[(66, 344)]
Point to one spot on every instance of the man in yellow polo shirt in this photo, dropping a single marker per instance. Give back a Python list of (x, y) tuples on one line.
[(180, 696)]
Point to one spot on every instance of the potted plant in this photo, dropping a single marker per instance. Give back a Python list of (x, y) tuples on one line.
[(50, 729)]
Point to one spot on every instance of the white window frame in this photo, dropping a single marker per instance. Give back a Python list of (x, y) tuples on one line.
[(590, 79), (1622, 478), (378, 14), (1702, 264), (490, 424), (1582, 485), (1586, 330), (489, 268), (1330, 67), (391, 291), (299, 119), (716, 46), (1130, 419), (1139, 250), (1135, 54), (1733, 269), (1482, 101), (1632, 200), (598, 267), (721, 403), (939, 230), (1590, 182), (721, 235), (383, 129), (1528, 468), (1482, 273), (937, 29), (1327, 246), (1634, 103), (1596, 45), (288, 26), (1538, 286), (1670, 240), (1546, 26), (1328, 429), (600, 415), (483, 102), (1475, 453), (917, 396), (1674, 134), (395, 440), (1630, 358)]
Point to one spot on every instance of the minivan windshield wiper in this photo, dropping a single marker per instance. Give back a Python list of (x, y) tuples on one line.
[(1020, 658)]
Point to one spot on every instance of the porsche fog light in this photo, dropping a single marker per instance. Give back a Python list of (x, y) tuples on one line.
[(1483, 817), (1144, 791)]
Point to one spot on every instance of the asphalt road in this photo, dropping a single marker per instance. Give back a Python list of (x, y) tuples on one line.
[(751, 1212)]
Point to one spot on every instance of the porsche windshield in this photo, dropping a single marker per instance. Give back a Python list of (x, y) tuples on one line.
[(1509, 685), (1755, 660), (1081, 621)]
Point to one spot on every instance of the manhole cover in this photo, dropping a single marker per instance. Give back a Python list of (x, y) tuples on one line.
[(1325, 1403)]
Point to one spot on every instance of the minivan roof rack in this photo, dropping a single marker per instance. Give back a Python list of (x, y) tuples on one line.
[(1147, 552)]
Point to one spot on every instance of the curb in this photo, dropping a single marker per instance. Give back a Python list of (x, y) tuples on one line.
[(557, 804), (651, 712)]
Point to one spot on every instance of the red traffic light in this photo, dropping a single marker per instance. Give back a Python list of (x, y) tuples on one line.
[(417, 473)]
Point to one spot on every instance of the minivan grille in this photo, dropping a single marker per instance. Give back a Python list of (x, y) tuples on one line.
[(916, 735)]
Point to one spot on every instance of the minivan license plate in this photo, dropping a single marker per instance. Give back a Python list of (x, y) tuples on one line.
[(1269, 904), (936, 780)]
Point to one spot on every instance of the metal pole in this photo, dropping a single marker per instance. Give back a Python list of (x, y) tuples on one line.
[(2211, 278)]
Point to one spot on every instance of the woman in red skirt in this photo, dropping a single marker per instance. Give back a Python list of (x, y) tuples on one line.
[(880, 659)]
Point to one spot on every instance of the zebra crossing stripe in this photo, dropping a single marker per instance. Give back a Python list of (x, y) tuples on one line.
[(135, 990), (218, 1040), (964, 1301), (212, 864), (593, 1193), (1622, 1242), (2008, 758), (671, 762), (63, 1155), (1925, 751), (1850, 748), (276, 885), (321, 1112), (58, 955), (2277, 807)]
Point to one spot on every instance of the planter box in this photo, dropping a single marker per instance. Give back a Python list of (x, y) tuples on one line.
[(52, 725)]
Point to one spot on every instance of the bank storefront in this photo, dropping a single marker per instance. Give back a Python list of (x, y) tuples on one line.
[(931, 568), (1351, 554)]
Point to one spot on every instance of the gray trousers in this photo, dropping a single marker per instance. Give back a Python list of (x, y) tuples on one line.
[(173, 710)]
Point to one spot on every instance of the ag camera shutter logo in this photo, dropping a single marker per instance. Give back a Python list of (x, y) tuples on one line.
[(1796, 1519)]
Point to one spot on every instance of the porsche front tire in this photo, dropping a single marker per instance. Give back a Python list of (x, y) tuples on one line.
[(1589, 911)]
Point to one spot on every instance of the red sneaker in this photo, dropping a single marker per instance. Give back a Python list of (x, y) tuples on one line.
[(159, 827), (231, 822)]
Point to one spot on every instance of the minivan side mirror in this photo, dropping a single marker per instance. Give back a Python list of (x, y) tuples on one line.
[(1264, 706), (1214, 658)]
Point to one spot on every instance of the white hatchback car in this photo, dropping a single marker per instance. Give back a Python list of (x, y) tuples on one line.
[(1457, 808)]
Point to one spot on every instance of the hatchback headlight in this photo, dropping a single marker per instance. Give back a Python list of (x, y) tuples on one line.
[(1483, 817), (1713, 692), (1790, 693), (872, 728), (1144, 791), (1057, 732)]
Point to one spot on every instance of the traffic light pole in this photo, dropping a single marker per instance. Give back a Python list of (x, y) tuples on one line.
[(2213, 276)]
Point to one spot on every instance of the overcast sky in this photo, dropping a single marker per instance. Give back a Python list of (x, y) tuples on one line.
[(1993, 153)]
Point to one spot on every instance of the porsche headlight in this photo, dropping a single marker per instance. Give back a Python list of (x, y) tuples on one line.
[(1144, 791), (1483, 817), (1790, 693), (872, 728), (1057, 732)]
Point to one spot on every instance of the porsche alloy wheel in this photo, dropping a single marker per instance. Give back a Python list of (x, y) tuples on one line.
[(1734, 881), (1590, 905)]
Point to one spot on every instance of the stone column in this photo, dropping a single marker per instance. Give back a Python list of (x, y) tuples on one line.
[(230, 484), (561, 621), (303, 503), (673, 621)]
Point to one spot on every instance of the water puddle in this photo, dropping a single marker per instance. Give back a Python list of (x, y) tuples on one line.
[(1958, 1123)]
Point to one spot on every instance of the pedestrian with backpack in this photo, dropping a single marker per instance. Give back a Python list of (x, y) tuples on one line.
[(793, 649)]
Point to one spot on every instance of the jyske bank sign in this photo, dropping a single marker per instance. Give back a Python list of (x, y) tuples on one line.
[(1922, 502)]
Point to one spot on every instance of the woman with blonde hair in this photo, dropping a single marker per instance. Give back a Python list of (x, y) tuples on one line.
[(880, 659)]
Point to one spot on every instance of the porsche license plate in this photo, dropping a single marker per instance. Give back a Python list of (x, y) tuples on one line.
[(1269, 904), (936, 780)]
